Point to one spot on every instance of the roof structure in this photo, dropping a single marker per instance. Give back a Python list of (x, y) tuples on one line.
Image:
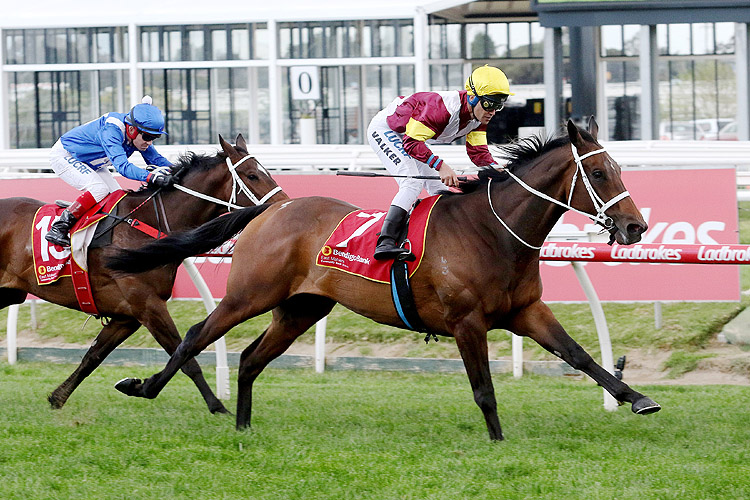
[(90, 13)]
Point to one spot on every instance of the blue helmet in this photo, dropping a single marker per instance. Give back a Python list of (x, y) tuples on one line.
[(146, 118)]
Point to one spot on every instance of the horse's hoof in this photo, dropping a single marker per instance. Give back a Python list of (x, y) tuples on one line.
[(645, 405), (55, 402), (128, 386), (220, 409)]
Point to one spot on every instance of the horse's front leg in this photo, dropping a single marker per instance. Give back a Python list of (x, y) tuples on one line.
[(537, 322), (158, 321), (226, 315), (153, 385), (111, 336), (471, 339)]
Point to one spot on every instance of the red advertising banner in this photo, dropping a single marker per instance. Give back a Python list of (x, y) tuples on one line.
[(682, 207)]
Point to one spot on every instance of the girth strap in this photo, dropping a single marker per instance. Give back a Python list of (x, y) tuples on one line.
[(403, 299)]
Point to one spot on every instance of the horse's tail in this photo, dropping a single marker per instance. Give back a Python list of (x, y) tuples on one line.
[(180, 246)]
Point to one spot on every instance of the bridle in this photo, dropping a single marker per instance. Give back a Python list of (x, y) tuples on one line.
[(600, 217), (238, 186)]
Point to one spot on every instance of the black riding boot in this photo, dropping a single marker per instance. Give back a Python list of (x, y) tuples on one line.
[(393, 225), (58, 233)]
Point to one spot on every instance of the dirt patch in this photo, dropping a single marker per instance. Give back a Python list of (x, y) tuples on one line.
[(727, 364)]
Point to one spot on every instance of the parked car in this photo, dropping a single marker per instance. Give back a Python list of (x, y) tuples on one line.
[(711, 127), (679, 131), (729, 132)]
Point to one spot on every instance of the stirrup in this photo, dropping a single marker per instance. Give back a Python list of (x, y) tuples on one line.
[(58, 239), (393, 252), (388, 252)]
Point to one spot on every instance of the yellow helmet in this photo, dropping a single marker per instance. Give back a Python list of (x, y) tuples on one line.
[(487, 80)]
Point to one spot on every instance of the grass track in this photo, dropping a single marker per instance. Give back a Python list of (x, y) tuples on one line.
[(362, 435)]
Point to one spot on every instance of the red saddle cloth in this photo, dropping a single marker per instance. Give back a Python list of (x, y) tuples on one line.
[(52, 262), (352, 243)]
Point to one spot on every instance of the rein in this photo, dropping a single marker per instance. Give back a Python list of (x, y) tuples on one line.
[(600, 217), (237, 186)]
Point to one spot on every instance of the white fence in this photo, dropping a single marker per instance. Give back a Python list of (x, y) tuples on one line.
[(325, 158)]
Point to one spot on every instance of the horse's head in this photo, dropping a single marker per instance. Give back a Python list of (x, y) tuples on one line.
[(597, 187), (251, 183)]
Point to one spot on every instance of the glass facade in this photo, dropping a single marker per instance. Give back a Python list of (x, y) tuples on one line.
[(696, 74), (515, 47), (361, 65)]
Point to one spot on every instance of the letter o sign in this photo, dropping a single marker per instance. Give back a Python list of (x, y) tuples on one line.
[(304, 82)]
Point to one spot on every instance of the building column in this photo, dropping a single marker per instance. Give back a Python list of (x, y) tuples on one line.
[(649, 84), (136, 82), (742, 59), (274, 84), (583, 74), (4, 99), (421, 78), (552, 80)]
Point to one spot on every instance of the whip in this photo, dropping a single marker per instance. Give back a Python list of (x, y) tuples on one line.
[(377, 174)]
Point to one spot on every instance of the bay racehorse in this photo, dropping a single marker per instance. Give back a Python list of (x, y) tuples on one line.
[(207, 186), (481, 271)]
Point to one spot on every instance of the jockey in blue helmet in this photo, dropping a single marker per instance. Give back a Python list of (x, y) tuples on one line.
[(82, 158), (147, 118)]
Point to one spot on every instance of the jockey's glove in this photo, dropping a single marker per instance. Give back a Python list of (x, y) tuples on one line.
[(159, 179)]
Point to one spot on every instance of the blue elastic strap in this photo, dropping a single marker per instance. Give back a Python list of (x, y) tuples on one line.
[(397, 303)]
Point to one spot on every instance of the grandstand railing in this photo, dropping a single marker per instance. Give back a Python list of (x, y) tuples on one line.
[(327, 157)]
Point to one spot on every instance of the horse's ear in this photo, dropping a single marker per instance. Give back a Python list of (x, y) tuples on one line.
[(575, 136), (228, 149), (593, 127), (240, 142)]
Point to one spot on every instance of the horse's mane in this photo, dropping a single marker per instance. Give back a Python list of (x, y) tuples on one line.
[(519, 153), (190, 162)]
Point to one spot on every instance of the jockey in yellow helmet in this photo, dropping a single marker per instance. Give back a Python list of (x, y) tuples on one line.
[(399, 135)]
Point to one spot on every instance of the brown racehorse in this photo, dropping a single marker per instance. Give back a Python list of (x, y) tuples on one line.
[(479, 275), (130, 302)]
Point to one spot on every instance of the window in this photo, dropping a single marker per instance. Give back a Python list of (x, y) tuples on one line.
[(66, 45)]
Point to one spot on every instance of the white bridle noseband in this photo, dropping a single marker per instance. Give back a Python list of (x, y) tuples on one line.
[(600, 217), (237, 186)]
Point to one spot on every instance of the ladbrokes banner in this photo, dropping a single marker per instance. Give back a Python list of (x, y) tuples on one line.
[(682, 207)]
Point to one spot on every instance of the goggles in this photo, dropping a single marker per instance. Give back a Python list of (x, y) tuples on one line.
[(494, 102), (149, 137)]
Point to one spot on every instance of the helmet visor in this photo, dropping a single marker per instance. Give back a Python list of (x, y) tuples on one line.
[(494, 102)]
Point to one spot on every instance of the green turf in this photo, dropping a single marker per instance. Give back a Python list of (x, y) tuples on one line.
[(363, 435)]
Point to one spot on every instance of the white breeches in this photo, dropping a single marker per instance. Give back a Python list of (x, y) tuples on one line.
[(79, 175), (388, 145)]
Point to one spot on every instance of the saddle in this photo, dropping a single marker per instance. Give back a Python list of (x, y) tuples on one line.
[(350, 246), (90, 231)]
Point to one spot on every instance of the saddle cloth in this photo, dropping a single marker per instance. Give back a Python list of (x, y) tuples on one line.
[(350, 246), (51, 263)]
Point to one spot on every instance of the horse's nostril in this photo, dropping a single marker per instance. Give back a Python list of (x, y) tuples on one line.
[(636, 229)]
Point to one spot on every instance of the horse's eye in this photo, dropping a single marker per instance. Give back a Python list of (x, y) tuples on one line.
[(597, 174), (252, 177)]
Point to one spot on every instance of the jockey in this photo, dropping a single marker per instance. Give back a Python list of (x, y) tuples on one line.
[(82, 157), (399, 134)]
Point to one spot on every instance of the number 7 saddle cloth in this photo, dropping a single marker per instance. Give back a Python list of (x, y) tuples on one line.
[(350, 246)]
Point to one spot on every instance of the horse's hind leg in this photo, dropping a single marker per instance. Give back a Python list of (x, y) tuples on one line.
[(10, 296), (109, 337), (538, 322), (290, 320), (158, 321), (232, 310)]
